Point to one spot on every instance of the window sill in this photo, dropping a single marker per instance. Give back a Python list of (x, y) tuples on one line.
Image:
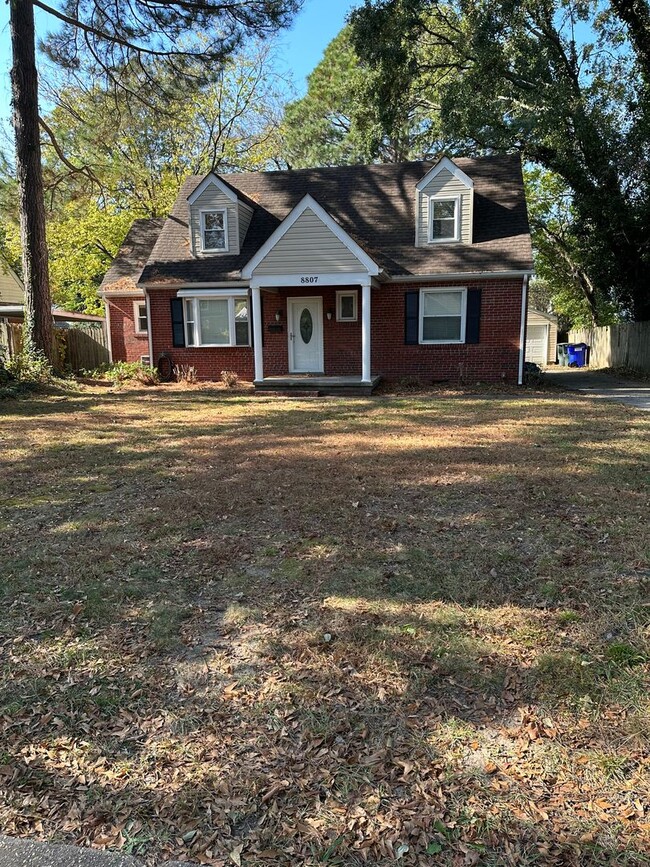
[(445, 241), (442, 342), (217, 346)]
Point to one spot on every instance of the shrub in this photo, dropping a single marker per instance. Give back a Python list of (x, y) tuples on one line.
[(229, 378), (533, 374), (23, 374), (185, 373), (130, 371)]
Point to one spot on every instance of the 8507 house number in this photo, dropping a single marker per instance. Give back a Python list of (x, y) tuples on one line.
[(311, 280)]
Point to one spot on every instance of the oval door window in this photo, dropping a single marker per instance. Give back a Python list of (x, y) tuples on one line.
[(306, 325)]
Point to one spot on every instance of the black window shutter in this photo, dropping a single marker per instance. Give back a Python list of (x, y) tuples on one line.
[(412, 317), (178, 323), (473, 323)]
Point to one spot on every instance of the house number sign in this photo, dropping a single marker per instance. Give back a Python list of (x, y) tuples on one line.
[(311, 280)]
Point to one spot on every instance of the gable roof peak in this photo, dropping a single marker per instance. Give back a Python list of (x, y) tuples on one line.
[(445, 164), (212, 179)]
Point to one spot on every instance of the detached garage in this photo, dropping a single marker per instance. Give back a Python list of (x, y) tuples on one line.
[(541, 337)]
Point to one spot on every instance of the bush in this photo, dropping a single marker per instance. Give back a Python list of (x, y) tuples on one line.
[(185, 373), (128, 371), (533, 374), (23, 374), (229, 378)]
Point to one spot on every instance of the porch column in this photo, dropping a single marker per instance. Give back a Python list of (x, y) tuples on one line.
[(365, 332), (258, 349)]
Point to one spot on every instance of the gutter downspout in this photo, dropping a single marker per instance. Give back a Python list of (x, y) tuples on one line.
[(147, 301), (107, 306), (522, 331)]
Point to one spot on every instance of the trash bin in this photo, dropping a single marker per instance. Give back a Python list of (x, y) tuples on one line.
[(577, 354), (562, 354)]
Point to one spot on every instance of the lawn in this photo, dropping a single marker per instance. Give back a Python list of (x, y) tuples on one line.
[(258, 631)]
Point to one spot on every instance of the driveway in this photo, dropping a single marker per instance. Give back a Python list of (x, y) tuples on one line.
[(27, 853), (595, 383)]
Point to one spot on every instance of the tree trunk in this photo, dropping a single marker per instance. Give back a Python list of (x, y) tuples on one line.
[(37, 329)]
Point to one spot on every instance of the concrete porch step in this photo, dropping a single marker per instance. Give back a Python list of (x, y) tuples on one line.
[(316, 385)]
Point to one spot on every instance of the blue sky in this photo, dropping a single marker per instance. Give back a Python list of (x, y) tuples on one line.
[(302, 46)]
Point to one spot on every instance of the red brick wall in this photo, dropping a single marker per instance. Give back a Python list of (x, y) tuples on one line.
[(494, 359), (209, 362), (126, 344)]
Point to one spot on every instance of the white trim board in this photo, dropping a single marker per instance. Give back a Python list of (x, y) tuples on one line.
[(340, 233), (309, 281)]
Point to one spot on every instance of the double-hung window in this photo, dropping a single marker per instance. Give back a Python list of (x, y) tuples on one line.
[(444, 219), (140, 317), (443, 315), (214, 231), (217, 321)]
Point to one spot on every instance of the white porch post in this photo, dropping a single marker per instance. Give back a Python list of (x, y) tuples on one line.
[(365, 331), (258, 349)]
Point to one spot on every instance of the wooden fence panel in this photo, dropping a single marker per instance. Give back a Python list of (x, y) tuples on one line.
[(86, 346), (624, 345)]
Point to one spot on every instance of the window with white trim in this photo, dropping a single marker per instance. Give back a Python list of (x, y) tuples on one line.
[(217, 321), (140, 317), (443, 314), (214, 231), (346, 306), (444, 219)]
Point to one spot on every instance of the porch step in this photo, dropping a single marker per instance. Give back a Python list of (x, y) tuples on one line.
[(288, 392), (316, 386)]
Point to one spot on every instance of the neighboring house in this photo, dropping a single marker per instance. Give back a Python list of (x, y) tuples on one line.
[(541, 337), (402, 270), (11, 287)]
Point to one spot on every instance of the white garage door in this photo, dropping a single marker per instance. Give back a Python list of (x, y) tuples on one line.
[(537, 344)]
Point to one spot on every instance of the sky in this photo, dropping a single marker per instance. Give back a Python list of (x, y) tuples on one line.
[(302, 46)]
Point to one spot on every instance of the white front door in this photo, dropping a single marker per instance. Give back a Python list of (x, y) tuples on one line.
[(305, 317), (537, 344)]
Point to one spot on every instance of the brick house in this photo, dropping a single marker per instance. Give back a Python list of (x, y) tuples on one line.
[(337, 275)]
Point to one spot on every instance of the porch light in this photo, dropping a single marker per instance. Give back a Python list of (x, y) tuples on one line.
[(278, 315), (330, 313)]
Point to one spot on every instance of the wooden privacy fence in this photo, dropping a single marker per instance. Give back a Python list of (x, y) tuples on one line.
[(83, 346), (624, 345)]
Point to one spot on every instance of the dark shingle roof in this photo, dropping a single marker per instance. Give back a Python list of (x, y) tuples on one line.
[(375, 204), (136, 248)]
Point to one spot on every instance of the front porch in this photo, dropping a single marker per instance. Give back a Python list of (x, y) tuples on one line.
[(317, 386)]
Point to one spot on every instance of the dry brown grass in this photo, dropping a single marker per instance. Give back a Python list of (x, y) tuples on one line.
[(326, 632)]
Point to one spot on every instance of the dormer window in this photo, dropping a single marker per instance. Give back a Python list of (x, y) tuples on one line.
[(214, 231), (444, 222)]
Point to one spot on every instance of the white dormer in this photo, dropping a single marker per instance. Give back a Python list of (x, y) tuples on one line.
[(218, 219), (444, 206)]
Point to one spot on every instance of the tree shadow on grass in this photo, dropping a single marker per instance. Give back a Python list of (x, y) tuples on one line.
[(169, 581)]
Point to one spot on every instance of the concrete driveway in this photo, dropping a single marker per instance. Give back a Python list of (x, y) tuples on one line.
[(27, 853), (606, 386)]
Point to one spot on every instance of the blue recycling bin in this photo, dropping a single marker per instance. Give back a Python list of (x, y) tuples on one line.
[(577, 354)]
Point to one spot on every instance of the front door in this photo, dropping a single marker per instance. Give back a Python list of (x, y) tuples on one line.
[(305, 317)]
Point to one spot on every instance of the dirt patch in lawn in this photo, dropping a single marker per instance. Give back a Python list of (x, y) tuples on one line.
[(270, 631)]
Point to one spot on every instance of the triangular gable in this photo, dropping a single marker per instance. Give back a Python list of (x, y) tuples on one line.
[(309, 204), (226, 189), (445, 164)]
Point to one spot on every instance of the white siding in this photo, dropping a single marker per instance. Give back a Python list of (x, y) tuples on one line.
[(11, 289), (308, 247), (444, 183), (245, 217), (213, 199)]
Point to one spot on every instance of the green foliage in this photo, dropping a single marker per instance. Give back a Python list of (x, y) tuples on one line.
[(110, 158), (561, 83), (23, 374), (344, 119), (127, 371)]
